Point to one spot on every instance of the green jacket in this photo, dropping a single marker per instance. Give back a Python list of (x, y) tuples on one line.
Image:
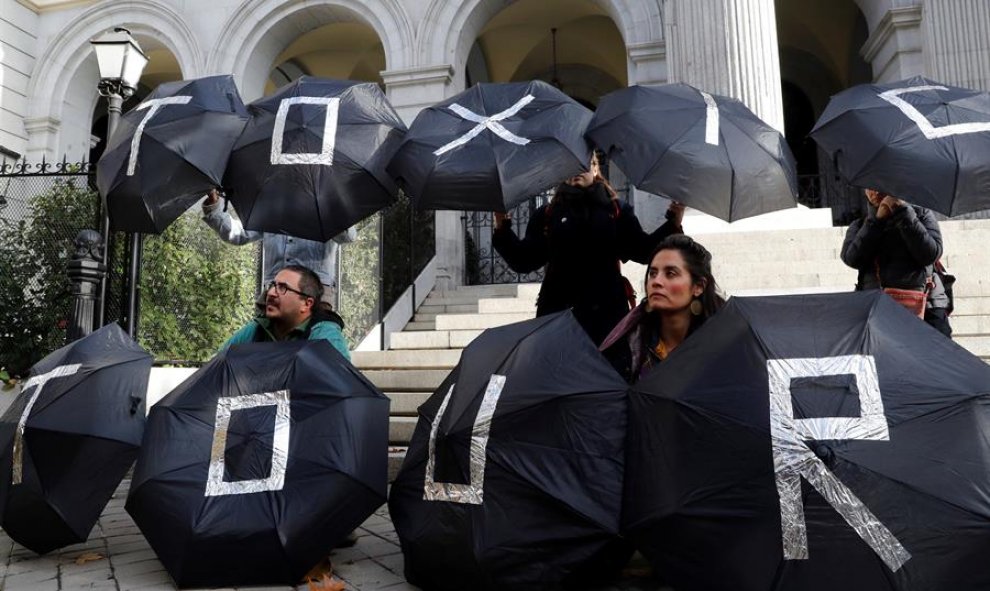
[(259, 331)]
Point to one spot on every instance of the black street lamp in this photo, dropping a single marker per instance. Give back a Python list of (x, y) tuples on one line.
[(121, 63)]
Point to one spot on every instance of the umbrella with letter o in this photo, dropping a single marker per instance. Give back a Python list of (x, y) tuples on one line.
[(259, 463), (492, 146), (919, 140), (513, 479), (812, 443), (311, 161), (70, 437), (169, 151), (707, 151)]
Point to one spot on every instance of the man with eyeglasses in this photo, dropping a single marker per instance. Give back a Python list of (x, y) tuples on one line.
[(281, 250), (292, 312)]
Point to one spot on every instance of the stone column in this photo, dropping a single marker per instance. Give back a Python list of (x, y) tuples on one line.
[(894, 46), (410, 90), (727, 47), (957, 42)]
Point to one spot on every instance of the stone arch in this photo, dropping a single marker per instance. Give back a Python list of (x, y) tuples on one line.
[(70, 48), (250, 43), (450, 28)]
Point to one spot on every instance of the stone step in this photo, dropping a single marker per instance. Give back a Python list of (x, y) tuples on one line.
[(406, 359), (406, 380), (427, 308), (434, 339), (733, 283), (967, 306), (506, 305), (479, 321), (969, 325), (421, 325), (835, 266), (400, 430), (451, 299), (776, 291), (495, 290), (978, 345), (406, 404)]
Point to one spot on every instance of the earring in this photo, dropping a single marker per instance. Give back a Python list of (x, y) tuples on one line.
[(695, 307)]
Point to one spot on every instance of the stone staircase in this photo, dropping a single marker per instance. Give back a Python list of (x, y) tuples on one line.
[(745, 263)]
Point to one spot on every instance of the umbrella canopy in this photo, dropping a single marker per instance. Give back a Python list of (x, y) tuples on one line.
[(492, 147), (259, 463), (921, 141), (813, 443), (311, 162), (169, 151), (514, 474), (69, 438), (707, 151)]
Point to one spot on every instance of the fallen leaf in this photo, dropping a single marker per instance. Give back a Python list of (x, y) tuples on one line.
[(322, 568), (89, 557), (327, 583)]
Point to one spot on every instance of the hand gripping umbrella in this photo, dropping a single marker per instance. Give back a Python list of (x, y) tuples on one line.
[(916, 139), (69, 438), (258, 464), (169, 151), (514, 474), (311, 162), (813, 443), (492, 147), (707, 151)]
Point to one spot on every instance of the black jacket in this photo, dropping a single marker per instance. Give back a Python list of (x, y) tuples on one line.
[(581, 236), (899, 248)]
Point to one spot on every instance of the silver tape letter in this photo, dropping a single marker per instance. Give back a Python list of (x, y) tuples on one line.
[(490, 123), (927, 129), (472, 493), (153, 106), (215, 484), (793, 459), (711, 119), (325, 155), (37, 382)]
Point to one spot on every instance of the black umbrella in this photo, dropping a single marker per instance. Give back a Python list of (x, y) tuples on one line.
[(259, 463), (492, 147), (813, 443), (513, 476), (311, 162), (707, 151), (169, 151), (69, 438), (919, 140)]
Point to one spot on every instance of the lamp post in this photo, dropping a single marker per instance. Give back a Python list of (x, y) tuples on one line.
[(121, 63)]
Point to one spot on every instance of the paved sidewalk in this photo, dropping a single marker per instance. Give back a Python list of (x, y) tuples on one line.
[(127, 562)]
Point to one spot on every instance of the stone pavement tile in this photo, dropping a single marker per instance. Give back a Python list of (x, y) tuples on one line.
[(367, 575), (115, 549), (395, 563), (134, 556), (374, 546), (141, 567), (33, 563), (152, 581), (95, 543), (31, 581), (72, 569), (87, 581), (403, 586), (346, 555)]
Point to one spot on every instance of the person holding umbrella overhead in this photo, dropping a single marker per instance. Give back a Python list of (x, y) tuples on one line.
[(292, 313), (281, 250), (582, 236), (681, 295), (893, 246)]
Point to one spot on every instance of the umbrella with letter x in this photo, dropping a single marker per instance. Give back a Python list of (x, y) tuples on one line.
[(813, 443), (492, 147)]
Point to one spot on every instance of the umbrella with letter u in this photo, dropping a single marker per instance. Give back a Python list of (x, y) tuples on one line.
[(169, 151), (919, 140), (311, 161), (707, 151), (259, 463), (492, 146), (513, 479), (69, 438), (812, 443)]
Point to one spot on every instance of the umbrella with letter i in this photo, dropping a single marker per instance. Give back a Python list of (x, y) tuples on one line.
[(70, 437)]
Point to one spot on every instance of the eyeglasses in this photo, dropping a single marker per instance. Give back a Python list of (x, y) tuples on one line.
[(282, 287)]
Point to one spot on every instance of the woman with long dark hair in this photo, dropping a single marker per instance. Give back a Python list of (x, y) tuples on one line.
[(681, 295), (582, 236)]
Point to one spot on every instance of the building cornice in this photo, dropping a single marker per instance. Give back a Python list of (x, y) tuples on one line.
[(51, 5), (42, 124), (442, 73), (647, 51), (896, 18)]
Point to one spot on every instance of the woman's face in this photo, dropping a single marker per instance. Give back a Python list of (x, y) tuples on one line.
[(669, 287), (585, 179)]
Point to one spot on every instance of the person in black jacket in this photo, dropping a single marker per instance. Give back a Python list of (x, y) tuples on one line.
[(893, 245), (582, 236)]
